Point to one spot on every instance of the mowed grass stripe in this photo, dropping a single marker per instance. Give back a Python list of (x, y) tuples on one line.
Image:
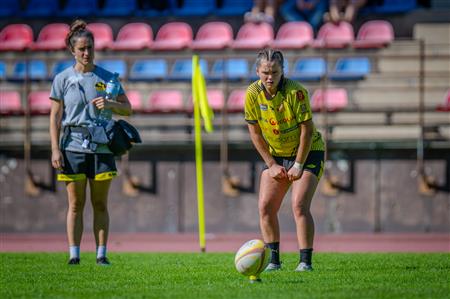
[(212, 275)]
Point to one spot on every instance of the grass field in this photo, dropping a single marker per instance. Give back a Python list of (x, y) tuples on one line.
[(212, 275)]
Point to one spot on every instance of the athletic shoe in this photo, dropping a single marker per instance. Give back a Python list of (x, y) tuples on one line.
[(103, 261), (272, 267), (303, 267), (74, 261)]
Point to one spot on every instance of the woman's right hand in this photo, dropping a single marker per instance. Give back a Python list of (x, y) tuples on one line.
[(277, 172), (57, 159)]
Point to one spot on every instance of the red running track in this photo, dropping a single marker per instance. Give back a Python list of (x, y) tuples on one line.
[(157, 242)]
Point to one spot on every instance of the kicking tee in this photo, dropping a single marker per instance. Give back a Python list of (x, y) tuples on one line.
[(279, 117)]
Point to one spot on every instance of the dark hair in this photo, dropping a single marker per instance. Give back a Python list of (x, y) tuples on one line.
[(77, 30), (270, 55)]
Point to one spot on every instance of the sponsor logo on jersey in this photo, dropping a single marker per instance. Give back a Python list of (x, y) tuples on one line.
[(300, 95), (100, 86), (275, 122), (263, 107)]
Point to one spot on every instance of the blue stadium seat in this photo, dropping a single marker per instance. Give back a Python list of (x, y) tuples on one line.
[(114, 65), (2, 70), (195, 8), (395, 6), (308, 69), (9, 8), (37, 70), (41, 8), (234, 7), (351, 68), (235, 69), (151, 8), (182, 69), (118, 8), (149, 69), (80, 8), (60, 66)]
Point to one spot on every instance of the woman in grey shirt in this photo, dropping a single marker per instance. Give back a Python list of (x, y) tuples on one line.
[(77, 96)]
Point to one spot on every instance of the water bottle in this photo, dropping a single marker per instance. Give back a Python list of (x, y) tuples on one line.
[(111, 92)]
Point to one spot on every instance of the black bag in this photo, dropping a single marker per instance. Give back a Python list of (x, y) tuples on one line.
[(121, 136)]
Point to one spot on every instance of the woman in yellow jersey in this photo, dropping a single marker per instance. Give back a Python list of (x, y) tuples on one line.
[(82, 155), (279, 119)]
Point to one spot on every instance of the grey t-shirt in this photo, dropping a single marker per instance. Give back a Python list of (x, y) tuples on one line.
[(76, 91)]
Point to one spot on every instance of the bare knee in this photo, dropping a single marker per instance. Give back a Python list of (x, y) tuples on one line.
[(99, 206), (267, 211), (301, 210)]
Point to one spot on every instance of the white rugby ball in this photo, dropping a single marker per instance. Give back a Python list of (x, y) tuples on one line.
[(252, 258)]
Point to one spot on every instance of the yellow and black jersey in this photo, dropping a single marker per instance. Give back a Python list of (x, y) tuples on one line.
[(279, 117)]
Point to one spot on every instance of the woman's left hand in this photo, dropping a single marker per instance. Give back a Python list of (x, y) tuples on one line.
[(101, 103)]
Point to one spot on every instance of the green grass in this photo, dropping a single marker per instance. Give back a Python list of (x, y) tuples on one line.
[(212, 275)]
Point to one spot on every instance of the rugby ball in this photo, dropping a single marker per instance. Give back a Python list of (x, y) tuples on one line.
[(252, 258)]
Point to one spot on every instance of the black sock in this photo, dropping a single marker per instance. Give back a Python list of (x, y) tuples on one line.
[(274, 252), (306, 256)]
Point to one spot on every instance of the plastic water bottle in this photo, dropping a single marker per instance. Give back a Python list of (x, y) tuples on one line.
[(111, 92)]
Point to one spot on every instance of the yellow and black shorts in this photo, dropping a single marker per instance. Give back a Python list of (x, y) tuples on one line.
[(314, 163), (79, 166)]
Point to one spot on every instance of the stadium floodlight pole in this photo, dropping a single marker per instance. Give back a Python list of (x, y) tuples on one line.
[(201, 108)]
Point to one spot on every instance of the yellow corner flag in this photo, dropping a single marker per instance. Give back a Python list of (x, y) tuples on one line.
[(201, 106)]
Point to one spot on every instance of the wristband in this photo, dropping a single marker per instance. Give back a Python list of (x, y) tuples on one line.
[(298, 165)]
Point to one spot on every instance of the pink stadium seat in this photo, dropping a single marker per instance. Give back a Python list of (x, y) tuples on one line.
[(40, 102), (216, 100), (293, 35), (213, 36), (334, 36), (102, 34), (236, 100), (253, 36), (446, 106), (16, 37), (51, 37), (10, 103), (334, 99), (173, 36), (165, 101), (374, 34), (135, 99), (133, 36)]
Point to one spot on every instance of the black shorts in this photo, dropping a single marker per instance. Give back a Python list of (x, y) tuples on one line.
[(79, 166), (314, 163)]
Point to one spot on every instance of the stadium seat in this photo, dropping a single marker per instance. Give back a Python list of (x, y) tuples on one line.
[(149, 69), (334, 36), (215, 97), (118, 8), (40, 102), (10, 103), (234, 68), (133, 36), (308, 69), (445, 107), (2, 70), (213, 36), (173, 36), (60, 66), (102, 34), (293, 35), (135, 99), (234, 7), (351, 68), (334, 99), (395, 6), (51, 37), (37, 70), (182, 69), (374, 34), (115, 66), (16, 37), (165, 101), (236, 101), (41, 8), (253, 36), (195, 8), (79, 8), (9, 8), (151, 8)]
